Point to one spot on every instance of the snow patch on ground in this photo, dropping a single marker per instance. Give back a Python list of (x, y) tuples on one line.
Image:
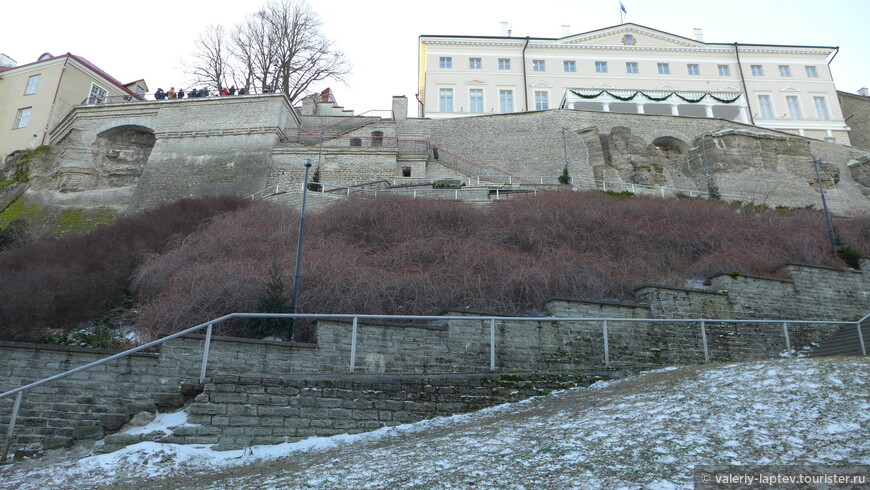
[(647, 432)]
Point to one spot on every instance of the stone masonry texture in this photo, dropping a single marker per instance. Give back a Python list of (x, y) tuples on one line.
[(283, 378)]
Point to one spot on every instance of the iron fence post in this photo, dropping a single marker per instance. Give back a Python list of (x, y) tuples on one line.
[(205, 349), (492, 344), (606, 347), (861, 339), (353, 345), (704, 340), (787, 340), (8, 442)]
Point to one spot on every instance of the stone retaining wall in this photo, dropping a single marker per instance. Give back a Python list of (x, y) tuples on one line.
[(95, 402)]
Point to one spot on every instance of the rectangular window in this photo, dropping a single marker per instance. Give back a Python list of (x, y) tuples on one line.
[(694, 69), (97, 95), (811, 72), (22, 118), (757, 71), (542, 101), (601, 67), (664, 69), (630, 67), (821, 108), (32, 84), (475, 100), (784, 71), (474, 63), (570, 66), (765, 106), (445, 62), (506, 101), (724, 71), (794, 107), (445, 100), (538, 65), (504, 63)]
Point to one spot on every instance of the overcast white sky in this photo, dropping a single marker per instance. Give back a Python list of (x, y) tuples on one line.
[(151, 40)]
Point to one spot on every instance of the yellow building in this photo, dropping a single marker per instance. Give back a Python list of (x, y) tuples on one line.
[(633, 69), (35, 96)]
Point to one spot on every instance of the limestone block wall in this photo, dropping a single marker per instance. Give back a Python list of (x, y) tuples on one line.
[(89, 403), (239, 411), (338, 164), (856, 110)]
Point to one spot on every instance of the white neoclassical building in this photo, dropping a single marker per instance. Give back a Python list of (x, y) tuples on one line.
[(634, 69)]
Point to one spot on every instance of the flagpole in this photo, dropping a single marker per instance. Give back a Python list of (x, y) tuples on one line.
[(621, 13)]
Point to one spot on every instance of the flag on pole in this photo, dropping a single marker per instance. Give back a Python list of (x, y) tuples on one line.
[(622, 7)]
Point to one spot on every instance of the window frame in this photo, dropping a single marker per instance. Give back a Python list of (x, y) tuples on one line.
[(501, 100), (22, 114), (442, 98), (471, 99), (92, 99), (475, 63), (504, 63), (445, 62), (600, 67), (32, 84), (785, 71), (825, 107), (756, 70), (795, 112), (632, 67), (664, 68), (812, 71), (724, 70), (539, 65), (546, 100), (766, 109), (693, 69), (572, 64)]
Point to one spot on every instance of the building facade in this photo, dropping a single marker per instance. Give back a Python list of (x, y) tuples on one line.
[(35, 96), (630, 68)]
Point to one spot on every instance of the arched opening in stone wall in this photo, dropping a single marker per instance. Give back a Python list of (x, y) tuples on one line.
[(119, 155), (377, 138), (672, 147)]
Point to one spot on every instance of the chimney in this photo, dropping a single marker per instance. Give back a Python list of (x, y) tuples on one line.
[(566, 30), (7, 61), (505, 29), (864, 91), (699, 35)]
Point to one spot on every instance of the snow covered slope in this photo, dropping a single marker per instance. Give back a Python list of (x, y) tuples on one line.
[(645, 431)]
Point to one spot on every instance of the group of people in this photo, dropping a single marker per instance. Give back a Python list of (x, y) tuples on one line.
[(194, 93)]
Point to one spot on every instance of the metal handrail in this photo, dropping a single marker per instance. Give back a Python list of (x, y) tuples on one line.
[(545, 179), (356, 317)]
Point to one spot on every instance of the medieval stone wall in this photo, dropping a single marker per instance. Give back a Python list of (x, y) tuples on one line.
[(856, 111)]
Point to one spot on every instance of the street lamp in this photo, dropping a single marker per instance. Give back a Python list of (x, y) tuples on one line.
[(831, 235), (295, 301)]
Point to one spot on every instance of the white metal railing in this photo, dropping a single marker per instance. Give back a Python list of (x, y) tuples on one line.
[(348, 190), (605, 185), (19, 392)]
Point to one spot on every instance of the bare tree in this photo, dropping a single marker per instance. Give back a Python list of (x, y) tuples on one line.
[(279, 47), (211, 64)]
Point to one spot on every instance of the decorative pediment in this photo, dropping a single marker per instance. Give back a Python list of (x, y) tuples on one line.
[(604, 85), (666, 86), (541, 84), (729, 88), (475, 81), (791, 89), (630, 35)]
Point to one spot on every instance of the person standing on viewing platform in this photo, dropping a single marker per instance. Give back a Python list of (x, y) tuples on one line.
[(180, 94), (171, 93), (159, 94)]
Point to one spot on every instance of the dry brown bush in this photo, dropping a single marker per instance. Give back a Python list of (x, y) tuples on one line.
[(405, 256), (56, 283)]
